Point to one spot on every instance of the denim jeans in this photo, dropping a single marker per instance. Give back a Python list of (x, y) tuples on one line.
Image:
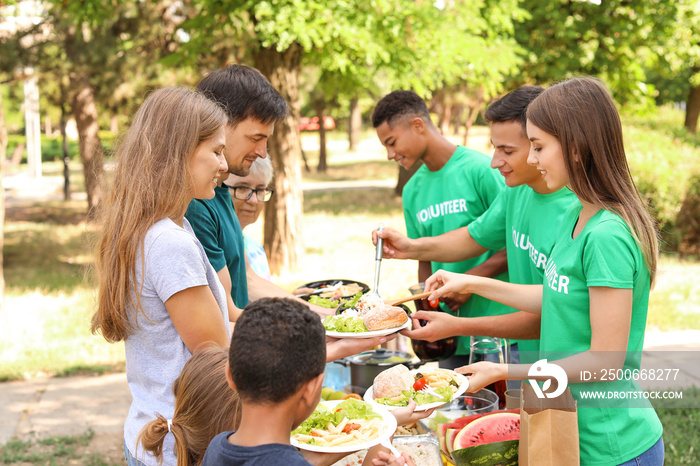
[(654, 456), (130, 460)]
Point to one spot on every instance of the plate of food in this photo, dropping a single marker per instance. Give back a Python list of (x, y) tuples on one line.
[(326, 289), (366, 317), (344, 426), (429, 387)]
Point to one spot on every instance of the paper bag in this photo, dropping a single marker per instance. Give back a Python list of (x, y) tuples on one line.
[(548, 429)]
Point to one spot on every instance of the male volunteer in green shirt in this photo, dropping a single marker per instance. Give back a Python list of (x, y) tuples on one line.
[(521, 219), (453, 187)]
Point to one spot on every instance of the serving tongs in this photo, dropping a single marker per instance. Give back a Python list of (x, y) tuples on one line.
[(377, 267), (377, 263)]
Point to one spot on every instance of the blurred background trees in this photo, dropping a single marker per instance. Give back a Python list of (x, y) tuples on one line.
[(96, 59)]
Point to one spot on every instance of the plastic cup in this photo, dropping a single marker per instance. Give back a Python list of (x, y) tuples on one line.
[(513, 398)]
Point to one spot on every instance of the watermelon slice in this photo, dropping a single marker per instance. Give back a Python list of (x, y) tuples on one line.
[(488, 429), (450, 436), (489, 454), (447, 443)]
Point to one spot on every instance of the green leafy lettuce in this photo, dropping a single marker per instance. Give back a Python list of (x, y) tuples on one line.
[(323, 302), (319, 419), (419, 397), (344, 324)]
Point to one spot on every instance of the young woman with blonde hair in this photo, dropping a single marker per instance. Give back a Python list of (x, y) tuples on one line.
[(595, 294), (157, 291), (204, 407)]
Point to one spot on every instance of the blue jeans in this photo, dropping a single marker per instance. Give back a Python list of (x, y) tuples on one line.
[(654, 456), (130, 460)]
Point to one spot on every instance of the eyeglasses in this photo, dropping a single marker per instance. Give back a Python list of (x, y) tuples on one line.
[(243, 193)]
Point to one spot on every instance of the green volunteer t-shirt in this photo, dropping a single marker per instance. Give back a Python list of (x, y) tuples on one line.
[(604, 254), (522, 220), (450, 198), (216, 226)]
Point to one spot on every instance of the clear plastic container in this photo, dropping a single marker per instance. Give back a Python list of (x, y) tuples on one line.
[(483, 401), (424, 450)]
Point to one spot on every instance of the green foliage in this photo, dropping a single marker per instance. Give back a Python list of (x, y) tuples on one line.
[(678, 52), (665, 163), (681, 435), (52, 147), (609, 39), (689, 219), (409, 44), (662, 168)]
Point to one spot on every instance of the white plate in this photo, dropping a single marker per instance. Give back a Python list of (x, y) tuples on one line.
[(463, 385), (374, 333), (389, 427)]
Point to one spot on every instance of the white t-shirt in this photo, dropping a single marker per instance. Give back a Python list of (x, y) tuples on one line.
[(155, 353)]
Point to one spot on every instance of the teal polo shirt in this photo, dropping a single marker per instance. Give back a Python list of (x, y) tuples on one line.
[(216, 226)]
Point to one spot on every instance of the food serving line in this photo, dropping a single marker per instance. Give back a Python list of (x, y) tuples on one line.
[(357, 414)]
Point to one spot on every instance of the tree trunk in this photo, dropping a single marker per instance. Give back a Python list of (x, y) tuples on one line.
[(354, 124), (404, 176), (85, 114), (471, 118), (692, 109), (66, 157), (3, 154), (445, 119), (48, 127), (457, 118), (283, 215), (322, 166), (114, 124), (476, 102)]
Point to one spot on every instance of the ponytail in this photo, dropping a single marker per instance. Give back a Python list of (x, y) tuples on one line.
[(153, 435)]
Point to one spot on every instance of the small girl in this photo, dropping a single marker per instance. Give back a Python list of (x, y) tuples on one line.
[(595, 294), (204, 407)]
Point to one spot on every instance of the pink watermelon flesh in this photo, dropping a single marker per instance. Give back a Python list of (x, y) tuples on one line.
[(487, 429)]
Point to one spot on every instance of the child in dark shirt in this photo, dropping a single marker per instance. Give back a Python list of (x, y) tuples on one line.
[(276, 363)]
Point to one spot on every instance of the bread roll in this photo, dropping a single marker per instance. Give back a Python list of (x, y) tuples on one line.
[(392, 382), (384, 317)]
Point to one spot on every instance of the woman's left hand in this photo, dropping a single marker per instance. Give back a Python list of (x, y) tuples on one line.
[(481, 374), (409, 415)]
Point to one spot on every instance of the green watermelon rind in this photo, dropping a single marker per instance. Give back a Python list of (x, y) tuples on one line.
[(489, 454)]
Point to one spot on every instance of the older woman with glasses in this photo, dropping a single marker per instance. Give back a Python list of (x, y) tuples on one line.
[(249, 195)]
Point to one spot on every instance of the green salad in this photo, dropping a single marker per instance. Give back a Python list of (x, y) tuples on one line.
[(330, 303), (323, 302), (322, 415), (346, 322), (421, 398)]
